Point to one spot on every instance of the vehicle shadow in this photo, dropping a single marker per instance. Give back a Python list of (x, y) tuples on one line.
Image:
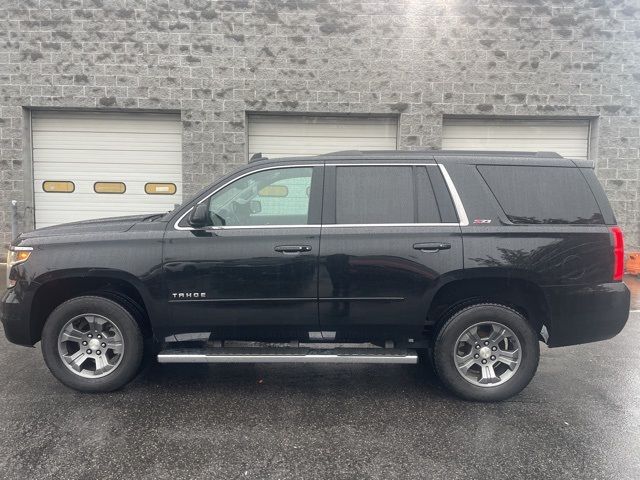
[(299, 379)]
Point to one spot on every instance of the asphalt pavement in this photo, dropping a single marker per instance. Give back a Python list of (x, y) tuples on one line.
[(579, 418)]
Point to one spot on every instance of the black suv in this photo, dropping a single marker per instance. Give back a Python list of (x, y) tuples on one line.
[(465, 259)]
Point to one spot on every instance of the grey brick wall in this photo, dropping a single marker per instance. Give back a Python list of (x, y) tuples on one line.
[(216, 60)]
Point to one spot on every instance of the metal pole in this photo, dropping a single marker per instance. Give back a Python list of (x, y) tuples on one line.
[(14, 219)]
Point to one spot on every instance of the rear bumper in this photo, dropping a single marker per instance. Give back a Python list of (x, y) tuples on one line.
[(583, 314), (14, 320)]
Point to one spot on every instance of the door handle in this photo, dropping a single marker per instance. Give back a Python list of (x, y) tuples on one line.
[(293, 248), (432, 247)]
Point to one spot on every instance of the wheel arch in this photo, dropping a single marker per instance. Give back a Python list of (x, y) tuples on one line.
[(115, 285), (517, 292)]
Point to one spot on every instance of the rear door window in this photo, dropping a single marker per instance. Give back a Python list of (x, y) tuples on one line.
[(386, 194), (434, 202), (542, 195), (373, 195), (426, 200)]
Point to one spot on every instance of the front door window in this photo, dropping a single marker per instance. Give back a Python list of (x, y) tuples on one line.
[(265, 198)]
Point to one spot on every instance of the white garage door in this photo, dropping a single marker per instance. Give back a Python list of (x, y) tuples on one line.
[(569, 138), (95, 165), (293, 135)]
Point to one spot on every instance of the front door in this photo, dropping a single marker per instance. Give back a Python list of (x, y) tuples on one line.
[(253, 272), (389, 233)]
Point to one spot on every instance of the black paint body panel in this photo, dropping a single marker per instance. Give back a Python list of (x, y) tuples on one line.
[(247, 283), (586, 313), (372, 277)]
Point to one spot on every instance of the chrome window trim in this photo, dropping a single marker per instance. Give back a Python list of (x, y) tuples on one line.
[(351, 225), (417, 163), (455, 197), (252, 227), (463, 220), (331, 225)]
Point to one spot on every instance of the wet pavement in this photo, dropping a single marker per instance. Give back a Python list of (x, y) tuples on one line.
[(579, 418)]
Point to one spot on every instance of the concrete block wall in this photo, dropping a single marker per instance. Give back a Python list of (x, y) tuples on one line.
[(217, 60)]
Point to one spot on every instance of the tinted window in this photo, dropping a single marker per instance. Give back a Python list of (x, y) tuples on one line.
[(269, 197), (542, 194), (426, 200), (375, 195), (447, 210)]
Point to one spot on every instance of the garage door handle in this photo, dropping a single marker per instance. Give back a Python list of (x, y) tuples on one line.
[(293, 248), (431, 247)]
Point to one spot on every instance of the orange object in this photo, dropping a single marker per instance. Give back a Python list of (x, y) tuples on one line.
[(633, 263)]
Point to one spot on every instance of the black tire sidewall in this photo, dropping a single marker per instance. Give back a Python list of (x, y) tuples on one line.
[(119, 316), (458, 323)]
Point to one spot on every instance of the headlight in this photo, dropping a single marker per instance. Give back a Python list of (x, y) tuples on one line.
[(15, 256)]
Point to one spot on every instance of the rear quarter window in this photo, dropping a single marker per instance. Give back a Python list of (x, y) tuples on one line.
[(542, 195)]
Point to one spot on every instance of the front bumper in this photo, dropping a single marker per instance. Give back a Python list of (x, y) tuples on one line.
[(15, 321), (586, 313)]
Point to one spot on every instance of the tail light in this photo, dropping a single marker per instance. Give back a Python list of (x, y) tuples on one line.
[(618, 253)]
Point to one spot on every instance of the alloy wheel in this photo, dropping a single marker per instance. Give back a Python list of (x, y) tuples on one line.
[(487, 354), (90, 345)]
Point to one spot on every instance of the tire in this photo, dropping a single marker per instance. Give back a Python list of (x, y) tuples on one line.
[(115, 337), (456, 344)]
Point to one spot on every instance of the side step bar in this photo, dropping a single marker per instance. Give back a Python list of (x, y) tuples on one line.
[(287, 355)]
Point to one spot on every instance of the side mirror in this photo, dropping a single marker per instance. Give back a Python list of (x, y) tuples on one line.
[(255, 206), (200, 216)]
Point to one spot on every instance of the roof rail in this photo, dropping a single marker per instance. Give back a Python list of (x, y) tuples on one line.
[(548, 154), (500, 153), (432, 151), (256, 157), (344, 152)]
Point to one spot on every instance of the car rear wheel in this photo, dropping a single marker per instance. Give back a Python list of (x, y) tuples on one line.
[(486, 352), (92, 344)]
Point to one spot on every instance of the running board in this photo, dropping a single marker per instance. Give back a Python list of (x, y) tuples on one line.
[(287, 355)]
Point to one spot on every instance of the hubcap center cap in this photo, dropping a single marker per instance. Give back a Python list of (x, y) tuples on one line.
[(485, 352), (94, 344)]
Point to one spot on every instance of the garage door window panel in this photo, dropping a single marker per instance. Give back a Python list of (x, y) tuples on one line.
[(109, 187), (266, 198), (160, 189), (56, 186)]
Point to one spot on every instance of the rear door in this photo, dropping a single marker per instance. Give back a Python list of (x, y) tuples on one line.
[(389, 232)]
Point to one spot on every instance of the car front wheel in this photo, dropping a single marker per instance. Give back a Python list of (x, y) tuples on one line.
[(92, 344)]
